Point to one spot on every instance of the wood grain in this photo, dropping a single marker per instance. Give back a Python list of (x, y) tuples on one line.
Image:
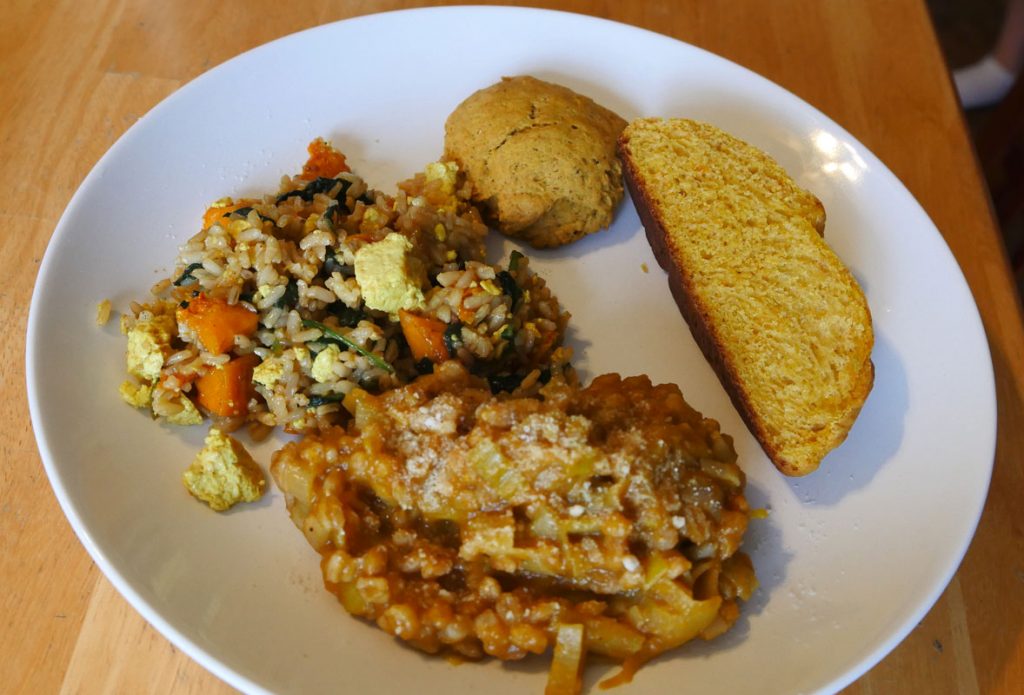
[(75, 75)]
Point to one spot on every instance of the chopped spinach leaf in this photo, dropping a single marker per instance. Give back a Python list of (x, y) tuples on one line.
[(186, 277), (332, 336), (513, 261), (453, 338), (507, 333), (244, 212), (335, 211), (331, 264), (346, 315), (369, 382), (317, 185), (290, 298), (510, 382), (509, 287), (504, 382), (317, 401)]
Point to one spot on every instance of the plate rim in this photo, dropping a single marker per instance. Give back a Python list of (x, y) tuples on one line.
[(235, 677)]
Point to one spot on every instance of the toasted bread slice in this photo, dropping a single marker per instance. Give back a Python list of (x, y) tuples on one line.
[(776, 313)]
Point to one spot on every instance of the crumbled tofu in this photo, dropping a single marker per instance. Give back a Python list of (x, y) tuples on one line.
[(188, 415), (268, 372), (103, 312), (445, 172), (136, 395), (323, 365), (372, 220), (223, 473), (236, 227), (299, 424), (389, 275), (149, 344)]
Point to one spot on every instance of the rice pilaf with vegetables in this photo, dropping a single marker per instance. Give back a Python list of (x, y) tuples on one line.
[(281, 306)]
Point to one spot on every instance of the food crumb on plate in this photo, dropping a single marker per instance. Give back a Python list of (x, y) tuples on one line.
[(103, 312), (223, 473)]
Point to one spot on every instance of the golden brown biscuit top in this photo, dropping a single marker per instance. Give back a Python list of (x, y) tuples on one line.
[(541, 157)]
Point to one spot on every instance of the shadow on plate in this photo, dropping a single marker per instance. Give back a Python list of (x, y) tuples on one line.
[(763, 543), (874, 439)]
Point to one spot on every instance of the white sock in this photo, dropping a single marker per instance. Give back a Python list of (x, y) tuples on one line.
[(984, 83)]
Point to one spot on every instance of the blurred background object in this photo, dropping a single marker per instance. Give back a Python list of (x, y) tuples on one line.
[(988, 81), (983, 41)]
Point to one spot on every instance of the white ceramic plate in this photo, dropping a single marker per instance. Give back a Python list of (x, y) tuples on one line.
[(850, 557)]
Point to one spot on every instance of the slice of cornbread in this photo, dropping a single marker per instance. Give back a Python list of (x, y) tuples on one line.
[(777, 314)]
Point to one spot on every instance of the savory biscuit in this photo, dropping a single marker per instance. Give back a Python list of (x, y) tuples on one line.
[(541, 159)]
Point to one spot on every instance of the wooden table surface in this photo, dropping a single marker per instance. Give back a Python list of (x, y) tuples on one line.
[(75, 75)]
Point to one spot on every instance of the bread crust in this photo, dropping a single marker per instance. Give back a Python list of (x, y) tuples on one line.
[(696, 318), (792, 461)]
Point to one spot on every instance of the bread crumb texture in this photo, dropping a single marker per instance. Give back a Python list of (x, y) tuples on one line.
[(778, 314), (541, 159)]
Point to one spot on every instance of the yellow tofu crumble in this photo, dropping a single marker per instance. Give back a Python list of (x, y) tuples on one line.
[(136, 395), (323, 364), (188, 415), (268, 372), (390, 276), (149, 344), (103, 312), (223, 473), (445, 172)]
